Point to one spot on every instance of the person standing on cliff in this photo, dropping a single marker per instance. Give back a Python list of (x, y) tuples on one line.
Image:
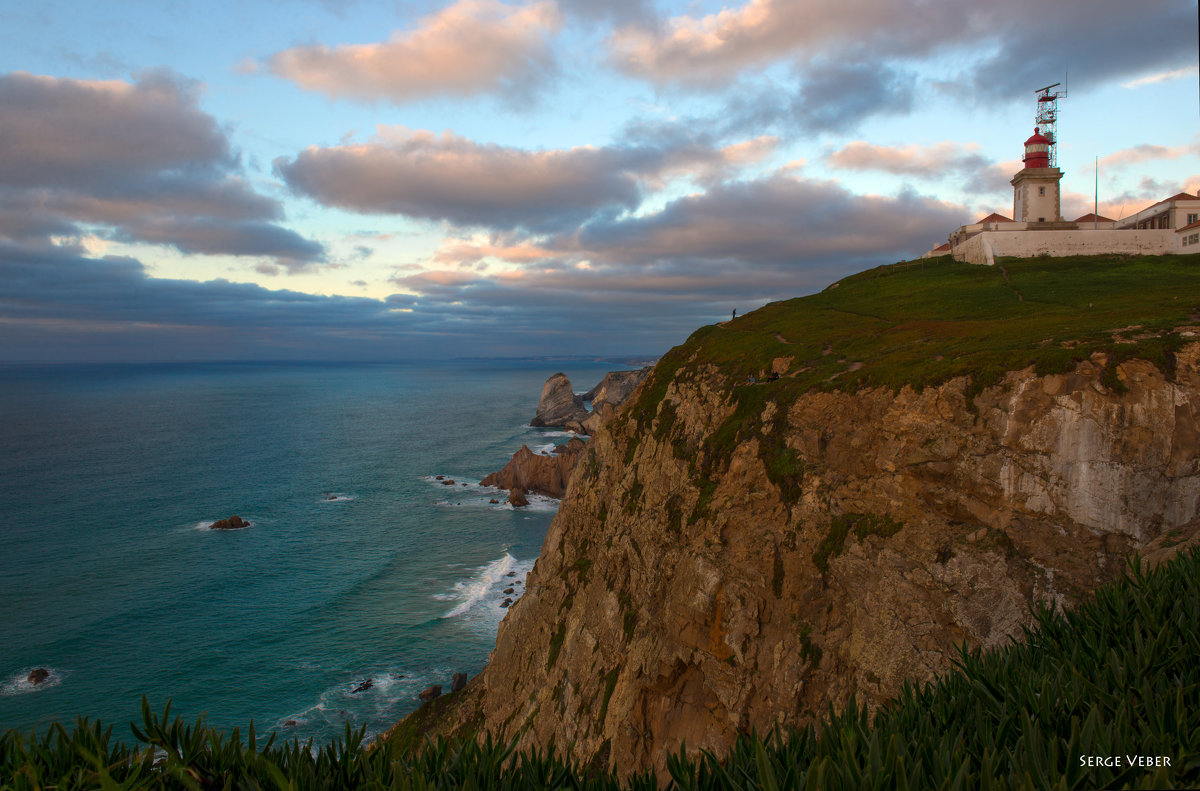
[(734, 316)]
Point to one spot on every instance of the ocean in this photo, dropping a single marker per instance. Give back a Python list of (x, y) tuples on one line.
[(359, 564)]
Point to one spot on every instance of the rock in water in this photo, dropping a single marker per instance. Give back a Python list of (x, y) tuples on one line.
[(517, 498), (533, 472), (363, 687), (434, 691), (558, 403), (38, 676), (460, 681), (232, 523)]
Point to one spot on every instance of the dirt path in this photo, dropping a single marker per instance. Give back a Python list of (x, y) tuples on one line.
[(1008, 283)]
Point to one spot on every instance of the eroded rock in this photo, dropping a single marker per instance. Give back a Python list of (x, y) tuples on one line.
[(558, 403), (697, 609)]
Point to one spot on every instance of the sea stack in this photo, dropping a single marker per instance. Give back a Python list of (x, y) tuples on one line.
[(558, 404)]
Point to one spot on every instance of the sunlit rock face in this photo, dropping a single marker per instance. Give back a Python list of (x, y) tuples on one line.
[(691, 588)]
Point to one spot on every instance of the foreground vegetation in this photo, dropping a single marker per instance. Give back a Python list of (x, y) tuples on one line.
[(1118, 677)]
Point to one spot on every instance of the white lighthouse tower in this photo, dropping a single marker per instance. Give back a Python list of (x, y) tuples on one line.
[(1036, 197)]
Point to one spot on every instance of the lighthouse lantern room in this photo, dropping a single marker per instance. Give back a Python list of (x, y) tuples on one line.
[(1035, 187)]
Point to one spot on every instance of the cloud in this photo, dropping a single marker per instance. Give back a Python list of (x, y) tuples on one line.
[(736, 245), (1082, 38), (468, 48), (1162, 76), (944, 161), (138, 159), (839, 96), (615, 10), (778, 221), (57, 303), (713, 49), (929, 162), (447, 177), (1146, 152), (87, 132), (617, 284), (1029, 41)]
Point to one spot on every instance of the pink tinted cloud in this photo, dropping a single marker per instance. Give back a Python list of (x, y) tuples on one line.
[(940, 161), (63, 131), (448, 177), (139, 159), (1147, 152), (468, 48), (466, 251), (713, 49), (912, 160), (709, 49)]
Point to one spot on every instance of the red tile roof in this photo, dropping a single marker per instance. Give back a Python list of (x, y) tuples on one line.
[(1190, 226), (1093, 217), (946, 245), (993, 217)]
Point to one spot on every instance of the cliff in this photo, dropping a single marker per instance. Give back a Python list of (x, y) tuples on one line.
[(943, 447), (609, 394)]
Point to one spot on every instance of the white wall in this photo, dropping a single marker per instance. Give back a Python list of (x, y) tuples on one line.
[(984, 248)]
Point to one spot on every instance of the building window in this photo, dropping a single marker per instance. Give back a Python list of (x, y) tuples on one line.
[(1192, 218), (1041, 190)]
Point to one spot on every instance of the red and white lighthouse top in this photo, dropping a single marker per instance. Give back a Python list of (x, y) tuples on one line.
[(1037, 150)]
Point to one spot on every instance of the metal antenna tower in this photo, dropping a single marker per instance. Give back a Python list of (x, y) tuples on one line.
[(1047, 116)]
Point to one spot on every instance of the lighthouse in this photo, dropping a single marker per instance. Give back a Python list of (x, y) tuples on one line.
[(1035, 187)]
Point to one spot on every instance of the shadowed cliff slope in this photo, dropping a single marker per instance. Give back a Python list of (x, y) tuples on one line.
[(944, 446)]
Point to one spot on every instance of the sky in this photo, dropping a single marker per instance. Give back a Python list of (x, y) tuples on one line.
[(363, 180)]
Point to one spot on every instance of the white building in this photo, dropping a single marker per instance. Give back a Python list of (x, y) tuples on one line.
[(1037, 227)]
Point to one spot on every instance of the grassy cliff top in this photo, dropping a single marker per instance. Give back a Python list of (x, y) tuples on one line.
[(925, 322)]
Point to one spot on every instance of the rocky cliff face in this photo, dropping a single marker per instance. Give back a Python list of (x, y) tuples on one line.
[(725, 560), (610, 393)]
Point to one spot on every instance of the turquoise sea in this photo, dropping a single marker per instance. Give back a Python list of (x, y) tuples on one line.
[(359, 564)]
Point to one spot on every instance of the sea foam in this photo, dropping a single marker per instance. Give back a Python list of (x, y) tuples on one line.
[(391, 692), (20, 684), (472, 591)]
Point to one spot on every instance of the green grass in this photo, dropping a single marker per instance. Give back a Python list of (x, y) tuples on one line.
[(1117, 677), (915, 325), (919, 326)]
